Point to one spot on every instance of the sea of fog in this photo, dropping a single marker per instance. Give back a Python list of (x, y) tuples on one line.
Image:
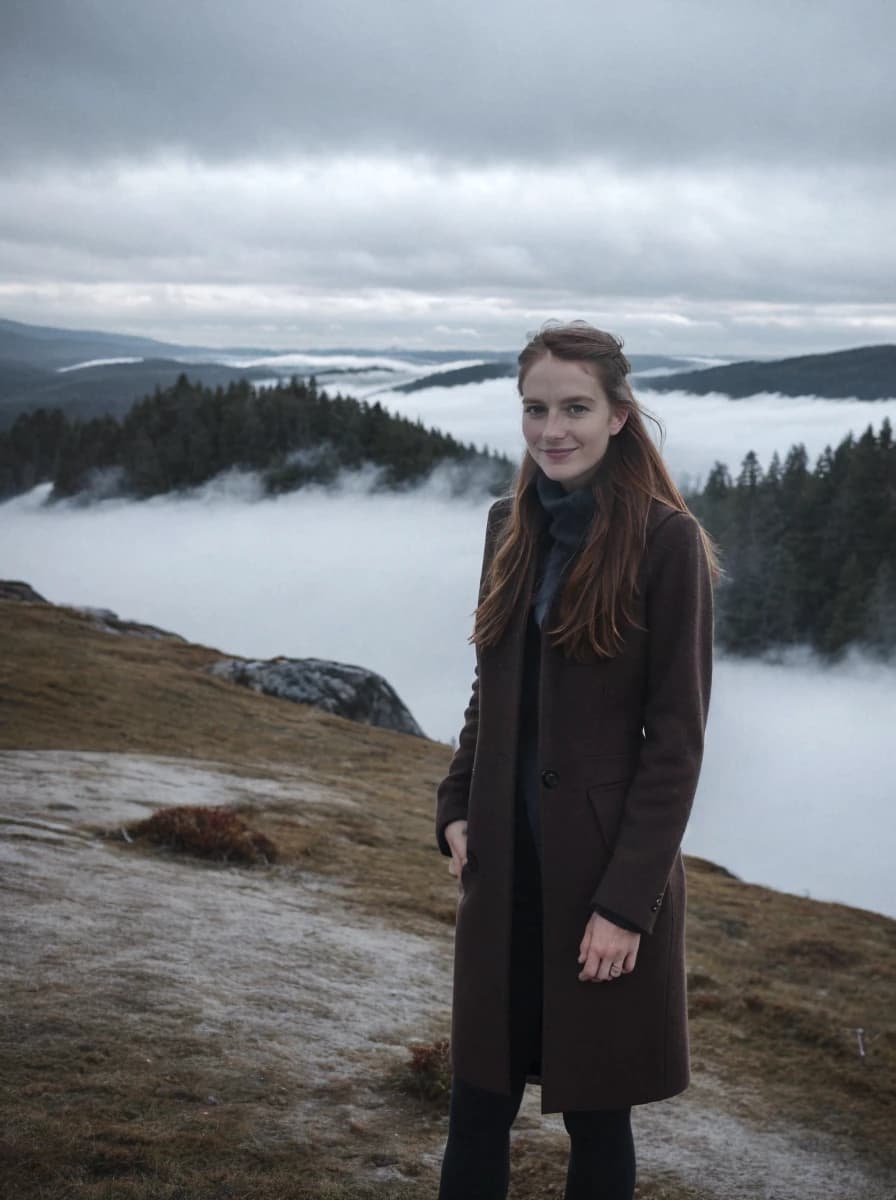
[(797, 787), (699, 430)]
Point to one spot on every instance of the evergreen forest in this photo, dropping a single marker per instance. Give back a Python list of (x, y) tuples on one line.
[(808, 552), (292, 434)]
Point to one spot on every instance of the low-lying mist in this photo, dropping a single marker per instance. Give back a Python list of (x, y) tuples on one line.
[(699, 429), (796, 790)]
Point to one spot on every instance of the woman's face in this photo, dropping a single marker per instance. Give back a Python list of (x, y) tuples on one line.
[(567, 419)]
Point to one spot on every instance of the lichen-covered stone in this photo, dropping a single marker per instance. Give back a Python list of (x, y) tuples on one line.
[(340, 688)]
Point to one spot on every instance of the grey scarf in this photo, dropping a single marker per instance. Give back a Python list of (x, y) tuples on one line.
[(569, 516)]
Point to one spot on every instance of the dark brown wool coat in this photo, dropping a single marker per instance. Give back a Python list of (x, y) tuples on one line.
[(620, 746)]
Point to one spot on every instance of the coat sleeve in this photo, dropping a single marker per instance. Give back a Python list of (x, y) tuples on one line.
[(454, 790), (617, 920), (679, 620)]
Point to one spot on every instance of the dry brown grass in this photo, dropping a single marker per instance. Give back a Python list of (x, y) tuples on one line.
[(778, 984)]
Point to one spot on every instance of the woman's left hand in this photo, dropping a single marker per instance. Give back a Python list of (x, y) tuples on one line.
[(607, 951)]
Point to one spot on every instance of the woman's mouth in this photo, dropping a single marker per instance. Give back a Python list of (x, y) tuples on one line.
[(559, 455)]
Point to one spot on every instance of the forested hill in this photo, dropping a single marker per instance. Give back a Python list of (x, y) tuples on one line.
[(868, 373), (292, 434), (809, 553)]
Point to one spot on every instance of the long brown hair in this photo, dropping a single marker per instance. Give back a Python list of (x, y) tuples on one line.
[(597, 601)]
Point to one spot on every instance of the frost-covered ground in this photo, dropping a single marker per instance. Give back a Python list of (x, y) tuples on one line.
[(281, 963)]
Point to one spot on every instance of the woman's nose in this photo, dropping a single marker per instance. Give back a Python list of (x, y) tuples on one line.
[(555, 426)]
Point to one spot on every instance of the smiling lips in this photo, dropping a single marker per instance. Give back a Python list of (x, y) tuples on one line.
[(559, 454)]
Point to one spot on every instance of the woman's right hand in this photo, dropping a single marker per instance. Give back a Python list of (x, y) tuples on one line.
[(456, 837)]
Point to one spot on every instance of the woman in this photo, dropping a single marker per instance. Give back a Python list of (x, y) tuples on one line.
[(565, 803)]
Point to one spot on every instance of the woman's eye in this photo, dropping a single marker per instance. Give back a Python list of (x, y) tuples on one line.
[(577, 409)]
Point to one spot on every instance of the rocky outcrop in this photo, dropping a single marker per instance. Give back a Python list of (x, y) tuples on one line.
[(339, 688), (103, 619), (15, 589), (107, 621)]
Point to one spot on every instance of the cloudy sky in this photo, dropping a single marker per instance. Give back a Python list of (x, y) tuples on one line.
[(699, 176)]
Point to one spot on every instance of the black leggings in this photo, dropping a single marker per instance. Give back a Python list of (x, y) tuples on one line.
[(477, 1157)]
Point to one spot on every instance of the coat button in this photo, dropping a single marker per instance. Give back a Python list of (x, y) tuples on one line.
[(550, 779)]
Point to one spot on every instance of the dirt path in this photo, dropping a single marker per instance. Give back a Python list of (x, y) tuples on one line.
[(279, 965)]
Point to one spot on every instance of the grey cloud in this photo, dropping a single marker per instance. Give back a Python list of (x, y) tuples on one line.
[(352, 225), (713, 176), (698, 79)]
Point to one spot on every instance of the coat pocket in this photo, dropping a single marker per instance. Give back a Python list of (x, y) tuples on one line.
[(609, 770)]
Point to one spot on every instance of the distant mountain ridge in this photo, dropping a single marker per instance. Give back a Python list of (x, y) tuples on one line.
[(104, 390), (506, 368), (866, 373), (37, 370), (475, 373), (48, 348)]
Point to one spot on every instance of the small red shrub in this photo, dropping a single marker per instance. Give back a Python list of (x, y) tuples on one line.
[(216, 833), (429, 1070)]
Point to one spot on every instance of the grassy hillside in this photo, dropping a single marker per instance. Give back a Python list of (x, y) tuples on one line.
[(867, 373), (116, 1085)]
